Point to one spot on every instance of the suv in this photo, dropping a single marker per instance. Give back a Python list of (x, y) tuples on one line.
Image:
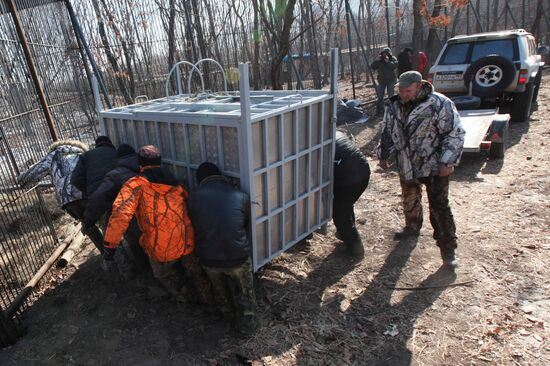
[(503, 67)]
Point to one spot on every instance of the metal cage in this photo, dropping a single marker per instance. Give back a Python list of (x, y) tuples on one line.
[(279, 146)]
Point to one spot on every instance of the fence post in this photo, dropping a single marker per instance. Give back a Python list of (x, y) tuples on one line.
[(350, 47), (32, 68)]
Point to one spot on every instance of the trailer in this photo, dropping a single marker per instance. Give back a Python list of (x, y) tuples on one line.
[(486, 131)]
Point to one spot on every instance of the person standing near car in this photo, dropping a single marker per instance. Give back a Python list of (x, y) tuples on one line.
[(405, 61), (422, 131), (385, 64)]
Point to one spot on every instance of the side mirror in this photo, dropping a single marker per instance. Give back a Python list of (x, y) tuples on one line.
[(543, 50)]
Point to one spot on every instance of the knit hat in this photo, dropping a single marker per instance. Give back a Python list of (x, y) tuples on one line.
[(386, 49), (125, 149), (409, 77), (205, 170), (149, 155), (102, 140)]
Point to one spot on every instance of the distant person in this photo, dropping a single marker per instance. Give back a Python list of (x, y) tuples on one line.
[(422, 62), (220, 215), (159, 204), (385, 64), (422, 132), (351, 178), (130, 254), (60, 163), (405, 61)]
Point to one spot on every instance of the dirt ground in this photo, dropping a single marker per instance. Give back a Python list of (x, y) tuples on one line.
[(320, 307)]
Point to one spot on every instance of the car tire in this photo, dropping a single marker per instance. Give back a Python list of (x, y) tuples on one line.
[(490, 75), (463, 102), (521, 104), (537, 82)]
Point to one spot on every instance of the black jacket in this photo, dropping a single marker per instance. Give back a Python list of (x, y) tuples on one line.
[(350, 165), (102, 199), (219, 213), (404, 62), (92, 167)]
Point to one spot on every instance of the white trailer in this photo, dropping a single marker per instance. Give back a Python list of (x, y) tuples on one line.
[(486, 130)]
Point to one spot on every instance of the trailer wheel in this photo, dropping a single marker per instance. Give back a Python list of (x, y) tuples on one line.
[(497, 150), (499, 139)]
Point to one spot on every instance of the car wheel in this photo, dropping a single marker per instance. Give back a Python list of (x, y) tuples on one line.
[(489, 75), (463, 102), (537, 82), (521, 104)]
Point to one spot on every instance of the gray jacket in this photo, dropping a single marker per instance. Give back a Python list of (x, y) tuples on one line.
[(429, 136), (59, 163)]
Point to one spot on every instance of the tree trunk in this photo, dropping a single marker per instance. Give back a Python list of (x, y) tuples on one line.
[(171, 33), (417, 26), (256, 39), (538, 17), (478, 9), (397, 25), (495, 15), (109, 54), (433, 30), (281, 34)]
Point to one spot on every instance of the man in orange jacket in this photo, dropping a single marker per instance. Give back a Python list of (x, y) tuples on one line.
[(159, 204)]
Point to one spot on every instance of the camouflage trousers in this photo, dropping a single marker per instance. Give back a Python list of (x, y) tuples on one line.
[(441, 217), (234, 294), (76, 210), (184, 279)]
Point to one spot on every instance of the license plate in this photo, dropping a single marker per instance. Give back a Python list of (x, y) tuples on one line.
[(448, 77)]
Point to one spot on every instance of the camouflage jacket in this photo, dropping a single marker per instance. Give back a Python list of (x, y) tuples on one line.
[(423, 139), (59, 163)]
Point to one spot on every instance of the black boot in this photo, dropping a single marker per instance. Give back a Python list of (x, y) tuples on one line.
[(448, 256), (406, 233), (355, 248)]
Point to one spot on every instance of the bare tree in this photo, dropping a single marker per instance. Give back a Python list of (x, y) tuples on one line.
[(118, 74), (277, 22)]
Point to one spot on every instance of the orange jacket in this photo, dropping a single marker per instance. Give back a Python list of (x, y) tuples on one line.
[(162, 216)]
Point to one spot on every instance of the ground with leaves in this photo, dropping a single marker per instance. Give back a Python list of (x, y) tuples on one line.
[(320, 307)]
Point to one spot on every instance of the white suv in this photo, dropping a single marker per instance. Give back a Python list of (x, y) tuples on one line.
[(502, 67)]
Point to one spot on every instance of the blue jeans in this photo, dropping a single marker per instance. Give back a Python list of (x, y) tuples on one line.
[(380, 89)]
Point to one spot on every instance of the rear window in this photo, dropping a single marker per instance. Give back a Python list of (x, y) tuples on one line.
[(455, 54), (466, 53), (501, 47)]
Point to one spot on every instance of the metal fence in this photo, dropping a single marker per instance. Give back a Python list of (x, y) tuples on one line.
[(27, 234)]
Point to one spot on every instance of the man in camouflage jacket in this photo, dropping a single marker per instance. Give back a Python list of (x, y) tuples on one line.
[(421, 130)]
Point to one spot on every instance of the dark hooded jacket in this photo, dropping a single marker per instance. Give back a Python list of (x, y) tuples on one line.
[(219, 213), (102, 199), (386, 70), (350, 165), (92, 167)]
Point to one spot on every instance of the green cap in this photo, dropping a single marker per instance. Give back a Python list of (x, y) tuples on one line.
[(409, 77)]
